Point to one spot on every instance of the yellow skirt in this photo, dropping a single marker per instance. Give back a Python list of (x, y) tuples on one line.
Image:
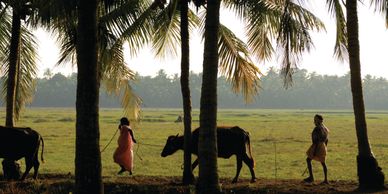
[(320, 154)]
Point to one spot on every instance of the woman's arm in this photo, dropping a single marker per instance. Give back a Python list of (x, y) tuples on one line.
[(133, 138)]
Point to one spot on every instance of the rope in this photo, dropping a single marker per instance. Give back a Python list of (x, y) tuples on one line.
[(276, 164), (110, 141), (154, 145)]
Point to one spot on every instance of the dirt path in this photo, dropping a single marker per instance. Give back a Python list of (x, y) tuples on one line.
[(50, 183)]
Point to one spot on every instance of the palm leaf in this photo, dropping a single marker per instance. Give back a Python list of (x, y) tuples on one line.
[(116, 78), (166, 39), (294, 37), (236, 65), (25, 88), (132, 22), (340, 48), (382, 7)]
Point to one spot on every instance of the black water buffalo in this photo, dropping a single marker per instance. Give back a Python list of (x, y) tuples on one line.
[(17, 142), (230, 141)]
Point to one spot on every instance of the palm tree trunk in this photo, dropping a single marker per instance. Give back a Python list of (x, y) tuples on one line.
[(207, 146), (87, 156), (14, 58), (369, 173), (188, 177)]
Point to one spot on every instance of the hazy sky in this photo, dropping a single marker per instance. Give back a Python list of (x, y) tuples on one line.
[(373, 41)]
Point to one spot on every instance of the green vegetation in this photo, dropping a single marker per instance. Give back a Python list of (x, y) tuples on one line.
[(332, 92), (287, 131)]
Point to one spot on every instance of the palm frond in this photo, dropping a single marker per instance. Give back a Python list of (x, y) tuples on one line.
[(133, 22), (294, 37), (5, 34), (65, 33), (25, 89), (166, 39), (5, 37), (263, 22), (116, 78), (340, 48), (286, 22), (236, 65), (382, 7)]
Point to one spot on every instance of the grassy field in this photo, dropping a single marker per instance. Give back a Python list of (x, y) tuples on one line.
[(279, 138)]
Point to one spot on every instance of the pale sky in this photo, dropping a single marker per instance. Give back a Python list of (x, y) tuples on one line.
[(373, 42)]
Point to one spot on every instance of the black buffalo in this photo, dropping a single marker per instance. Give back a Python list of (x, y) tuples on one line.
[(230, 141), (17, 142)]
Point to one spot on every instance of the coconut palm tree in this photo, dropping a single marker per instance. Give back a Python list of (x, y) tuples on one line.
[(284, 21), (92, 34), (20, 64), (207, 143), (87, 156), (369, 173), (235, 62), (18, 67), (188, 177), (347, 45)]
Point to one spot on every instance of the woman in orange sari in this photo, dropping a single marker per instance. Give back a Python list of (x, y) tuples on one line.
[(124, 153)]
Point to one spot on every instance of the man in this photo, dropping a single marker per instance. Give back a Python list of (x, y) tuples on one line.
[(318, 149)]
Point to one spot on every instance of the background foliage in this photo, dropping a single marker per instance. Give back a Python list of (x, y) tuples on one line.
[(309, 91)]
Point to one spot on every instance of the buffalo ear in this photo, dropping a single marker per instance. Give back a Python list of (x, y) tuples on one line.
[(177, 135)]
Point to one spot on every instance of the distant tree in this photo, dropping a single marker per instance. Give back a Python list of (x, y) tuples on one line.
[(47, 73)]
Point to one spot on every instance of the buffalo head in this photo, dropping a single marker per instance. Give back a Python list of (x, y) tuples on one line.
[(173, 144)]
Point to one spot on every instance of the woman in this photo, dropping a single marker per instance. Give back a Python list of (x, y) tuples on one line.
[(318, 149), (124, 153)]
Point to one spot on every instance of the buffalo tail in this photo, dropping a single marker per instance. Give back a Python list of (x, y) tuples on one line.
[(41, 154), (248, 142)]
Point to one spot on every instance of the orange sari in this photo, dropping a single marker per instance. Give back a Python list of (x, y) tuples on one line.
[(124, 153)]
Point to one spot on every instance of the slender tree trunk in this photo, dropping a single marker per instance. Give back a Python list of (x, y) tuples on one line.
[(369, 173), (14, 58), (188, 177), (87, 155), (207, 146)]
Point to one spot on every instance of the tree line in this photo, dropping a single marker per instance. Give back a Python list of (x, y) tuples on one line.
[(309, 91)]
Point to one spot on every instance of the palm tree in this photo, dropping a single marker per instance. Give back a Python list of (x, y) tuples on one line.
[(188, 177), (18, 60), (91, 31), (235, 63), (17, 63), (266, 20), (207, 143), (88, 158), (369, 173)]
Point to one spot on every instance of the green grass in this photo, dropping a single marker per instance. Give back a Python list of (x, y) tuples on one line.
[(286, 131)]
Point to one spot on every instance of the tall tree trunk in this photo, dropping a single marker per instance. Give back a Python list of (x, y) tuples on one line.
[(14, 60), (188, 177), (207, 146), (369, 173), (87, 155)]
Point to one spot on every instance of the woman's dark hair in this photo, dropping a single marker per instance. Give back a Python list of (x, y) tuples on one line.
[(124, 121), (319, 117)]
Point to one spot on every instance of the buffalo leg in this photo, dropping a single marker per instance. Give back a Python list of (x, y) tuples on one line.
[(250, 163), (239, 165), (36, 166), (29, 164)]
